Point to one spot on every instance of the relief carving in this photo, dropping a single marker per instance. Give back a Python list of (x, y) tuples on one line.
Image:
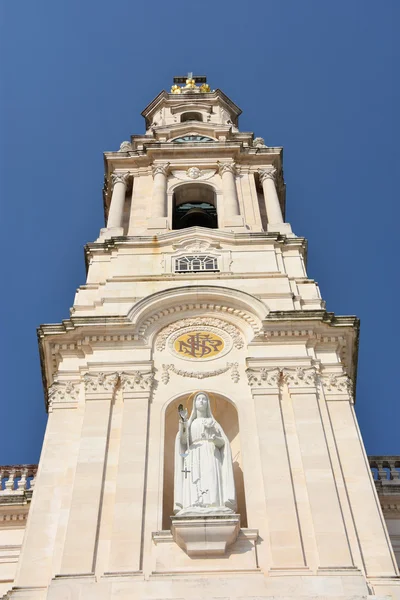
[(199, 322), (264, 376), (136, 380), (100, 382)]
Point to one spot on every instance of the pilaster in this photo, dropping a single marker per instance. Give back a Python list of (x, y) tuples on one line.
[(285, 534), (80, 545), (127, 528)]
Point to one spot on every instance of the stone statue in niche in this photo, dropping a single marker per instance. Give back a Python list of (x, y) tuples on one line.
[(204, 482)]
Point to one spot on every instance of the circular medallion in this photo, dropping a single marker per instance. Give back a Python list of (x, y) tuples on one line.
[(199, 343)]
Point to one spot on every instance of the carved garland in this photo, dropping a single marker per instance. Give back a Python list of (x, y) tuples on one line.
[(199, 322), (201, 374)]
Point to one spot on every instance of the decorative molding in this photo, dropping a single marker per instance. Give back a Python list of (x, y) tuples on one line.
[(100, 382), (264, 376), (299, 376), (267, 174), (337, 383), (200, 374), (160, 169), (119, 178), (226, 168), (199, 322), (136, 380)]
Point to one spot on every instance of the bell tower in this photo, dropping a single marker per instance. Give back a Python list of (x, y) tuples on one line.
[(201, 438)]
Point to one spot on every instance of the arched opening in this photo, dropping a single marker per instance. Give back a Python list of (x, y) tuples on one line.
[(226, 415), (194, 205), (191, 116)]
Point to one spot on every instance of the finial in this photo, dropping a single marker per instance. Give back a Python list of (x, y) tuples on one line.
[(190, 86)]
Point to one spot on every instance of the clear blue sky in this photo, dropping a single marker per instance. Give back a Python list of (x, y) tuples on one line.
[(319, 78)]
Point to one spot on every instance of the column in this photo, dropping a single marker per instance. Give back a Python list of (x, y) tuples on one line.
[(119, 181), (159, 208), (330, 532), (82, 529), (159, 211), (232, 217), (284, 530), (272, 206), (126, 537)]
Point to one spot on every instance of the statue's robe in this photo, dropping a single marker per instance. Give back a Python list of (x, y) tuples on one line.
[(204, 478)]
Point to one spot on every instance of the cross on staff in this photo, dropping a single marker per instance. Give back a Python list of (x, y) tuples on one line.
[(186, 471)]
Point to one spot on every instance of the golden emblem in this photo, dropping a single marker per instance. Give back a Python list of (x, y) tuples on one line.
[(199, 344)]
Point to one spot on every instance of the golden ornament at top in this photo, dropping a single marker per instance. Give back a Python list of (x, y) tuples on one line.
[(190, 85)]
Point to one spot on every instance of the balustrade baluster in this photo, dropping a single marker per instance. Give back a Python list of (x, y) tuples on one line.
[(10, 480)]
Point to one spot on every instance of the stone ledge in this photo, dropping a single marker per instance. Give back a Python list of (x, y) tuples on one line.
[(205, 536)]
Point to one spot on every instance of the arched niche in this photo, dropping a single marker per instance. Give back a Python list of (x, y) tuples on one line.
[(191, 116), (226, 415), (194, 205)]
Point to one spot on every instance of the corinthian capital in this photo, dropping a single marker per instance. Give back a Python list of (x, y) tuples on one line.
[(267, 174), (264, 376), (226, 168), (136, 381), (119, 178), (100, 382), (163, 169), (299, 376), (63, 391)]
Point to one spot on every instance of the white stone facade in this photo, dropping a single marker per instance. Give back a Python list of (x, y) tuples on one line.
[(282, 388)]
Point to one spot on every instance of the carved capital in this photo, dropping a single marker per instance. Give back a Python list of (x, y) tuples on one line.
[(100, 382), (160, 169), (267, 174), (135, 381), (337, 383), (263, 376), (119, 178), (226, 168), (63, 391), (299, 376)]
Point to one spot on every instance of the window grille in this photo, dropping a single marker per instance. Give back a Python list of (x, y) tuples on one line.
[(195, 264)]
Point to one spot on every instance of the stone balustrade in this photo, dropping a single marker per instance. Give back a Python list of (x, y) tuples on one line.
[(386, 473), (17, 482)]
